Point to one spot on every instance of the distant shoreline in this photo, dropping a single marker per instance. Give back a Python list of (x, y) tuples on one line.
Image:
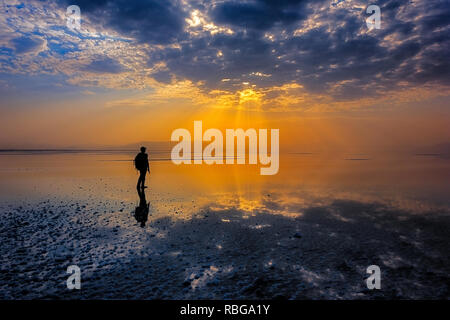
[(73, 150)]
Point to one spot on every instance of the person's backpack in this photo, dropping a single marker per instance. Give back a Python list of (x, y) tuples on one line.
[(140, 161)]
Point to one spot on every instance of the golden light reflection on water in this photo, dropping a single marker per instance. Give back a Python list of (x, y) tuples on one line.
[(412, 183)]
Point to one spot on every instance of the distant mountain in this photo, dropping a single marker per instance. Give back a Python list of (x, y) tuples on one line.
[(150, 145)]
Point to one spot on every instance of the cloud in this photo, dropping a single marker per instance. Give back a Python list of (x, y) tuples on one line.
[(148, 21), (162, 76), (33, 45), (104, 65), (324, 47), (260, 14), (331, 51)]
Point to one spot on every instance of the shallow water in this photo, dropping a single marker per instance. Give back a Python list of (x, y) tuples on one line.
[(413, 182), (224, 231)]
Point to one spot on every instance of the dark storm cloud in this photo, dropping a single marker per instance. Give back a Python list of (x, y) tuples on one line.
[(150, 21), (334, 55), (259, 14)]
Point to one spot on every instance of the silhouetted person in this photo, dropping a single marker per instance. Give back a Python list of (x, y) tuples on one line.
[(141, 164), (141, 212)]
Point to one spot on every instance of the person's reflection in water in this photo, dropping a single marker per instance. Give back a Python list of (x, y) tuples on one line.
[(141, 212)]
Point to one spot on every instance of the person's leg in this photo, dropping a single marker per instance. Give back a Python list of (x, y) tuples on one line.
[(143, 178), (141, 181)]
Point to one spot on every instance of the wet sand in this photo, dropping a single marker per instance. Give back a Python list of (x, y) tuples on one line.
[(296, 239)]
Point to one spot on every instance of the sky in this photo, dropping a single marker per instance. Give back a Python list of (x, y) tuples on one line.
[(138, 69)]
